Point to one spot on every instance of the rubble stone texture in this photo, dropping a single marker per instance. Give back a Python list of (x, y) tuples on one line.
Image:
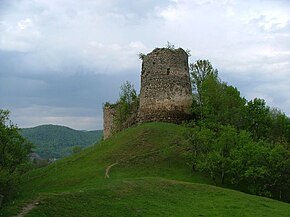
[(108, 117), (166, 93)]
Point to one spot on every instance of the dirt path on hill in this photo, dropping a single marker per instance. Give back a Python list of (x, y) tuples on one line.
[(27, 209), (108, 169), (128, 159)]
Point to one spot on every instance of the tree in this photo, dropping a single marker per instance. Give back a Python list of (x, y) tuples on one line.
[(258, 118), (280, 126), (199, 71), (246, 144), (222, 103), (212, 148), (126, 106), (278, 182), (14, 150), (128, 93), (215, 100)]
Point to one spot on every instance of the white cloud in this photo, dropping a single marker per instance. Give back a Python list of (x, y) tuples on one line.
[(248, 41), (23, 24), (94, 34), (18, 35)]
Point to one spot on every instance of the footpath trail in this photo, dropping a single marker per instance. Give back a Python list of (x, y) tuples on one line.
[(108, 169), (27, 208)]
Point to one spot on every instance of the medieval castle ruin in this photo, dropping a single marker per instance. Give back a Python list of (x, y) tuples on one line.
[(166, 93)]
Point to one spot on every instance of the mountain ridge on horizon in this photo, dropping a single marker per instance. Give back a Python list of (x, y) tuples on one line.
[(56, 141), (58, 125)]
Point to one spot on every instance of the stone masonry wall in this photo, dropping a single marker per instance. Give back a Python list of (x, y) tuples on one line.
[(166, 93), (108, 117)]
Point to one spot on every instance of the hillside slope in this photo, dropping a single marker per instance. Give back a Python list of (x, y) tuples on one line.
[(141, 171), (53, 141)]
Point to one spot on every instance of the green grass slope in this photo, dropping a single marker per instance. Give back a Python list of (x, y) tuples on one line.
[(53, 141), (148, 176)]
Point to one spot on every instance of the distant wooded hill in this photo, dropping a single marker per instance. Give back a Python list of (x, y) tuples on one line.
[(53, 141)]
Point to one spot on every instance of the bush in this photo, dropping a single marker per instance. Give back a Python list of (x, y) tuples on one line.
[(14, 150)]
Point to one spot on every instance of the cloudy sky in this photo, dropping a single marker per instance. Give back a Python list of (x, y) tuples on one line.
[(61, 59)]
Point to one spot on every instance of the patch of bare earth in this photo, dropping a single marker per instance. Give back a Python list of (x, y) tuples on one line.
[(27, 209), (108, 170)]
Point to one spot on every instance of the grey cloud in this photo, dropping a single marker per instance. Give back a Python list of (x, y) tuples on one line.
[(66, 97), (43, 96), (58, 56), (274, 90), (67, 91)]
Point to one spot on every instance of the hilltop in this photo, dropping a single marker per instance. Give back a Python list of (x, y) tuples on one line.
[(141, 171), (54, 141)]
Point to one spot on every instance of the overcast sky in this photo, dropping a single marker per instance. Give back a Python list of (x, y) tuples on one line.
[(61, 59)]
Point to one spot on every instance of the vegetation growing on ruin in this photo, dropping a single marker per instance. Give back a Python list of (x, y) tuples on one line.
[(126, 107)]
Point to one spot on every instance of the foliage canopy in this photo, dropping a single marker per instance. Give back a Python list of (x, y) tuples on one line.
[(14, 151), (235, 141)]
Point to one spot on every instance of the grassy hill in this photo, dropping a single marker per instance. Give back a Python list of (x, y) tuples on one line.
[(53, 141), (141, 171)]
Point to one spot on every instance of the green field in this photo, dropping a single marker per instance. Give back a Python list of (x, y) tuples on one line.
[(148, 176)]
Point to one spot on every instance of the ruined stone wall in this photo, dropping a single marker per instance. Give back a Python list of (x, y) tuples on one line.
[(108, 117), (166, 93)]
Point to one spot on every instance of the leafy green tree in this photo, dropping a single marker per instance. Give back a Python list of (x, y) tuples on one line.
[(212, 148), (234, 141), (233, 110), (223, 103), (216, 101), (210, 164), (199, 71), (227, 140), (249, 167), (280, 126), (128, 93), (14, 150), (258, 118), (279, 167), (262, 168), (211, 94), (126, 106)]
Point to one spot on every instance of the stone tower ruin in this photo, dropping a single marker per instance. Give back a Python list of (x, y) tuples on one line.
[(166, 93), (108, 118)]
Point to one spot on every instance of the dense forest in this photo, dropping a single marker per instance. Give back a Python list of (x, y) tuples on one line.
[(53, 141), (241, 143)]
